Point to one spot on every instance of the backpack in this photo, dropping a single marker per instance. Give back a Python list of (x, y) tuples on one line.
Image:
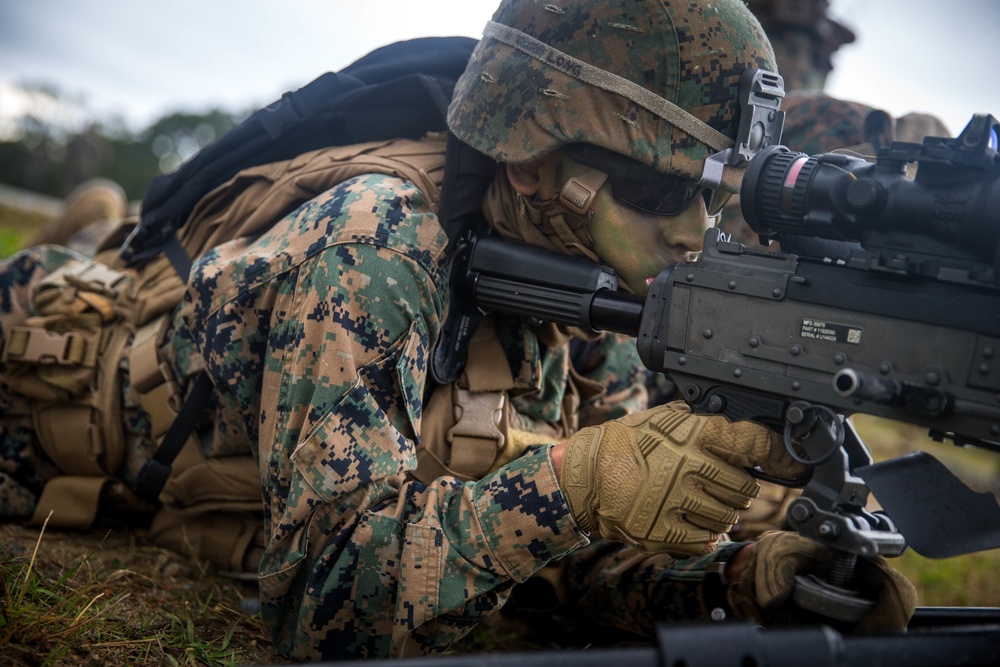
[(400, 91), (372, 108)]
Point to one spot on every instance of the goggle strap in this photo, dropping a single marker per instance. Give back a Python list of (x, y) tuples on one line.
[(578, 193)]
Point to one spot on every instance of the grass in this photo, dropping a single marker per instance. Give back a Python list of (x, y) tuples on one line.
[(10, 242), (193, 649), (47, 613), (108, 613), (16, 227), (967, 580)]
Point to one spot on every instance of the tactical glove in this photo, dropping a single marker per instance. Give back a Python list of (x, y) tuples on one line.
[(764, 588), (667, 479)]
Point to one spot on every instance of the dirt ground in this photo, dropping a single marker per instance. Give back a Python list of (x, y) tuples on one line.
[(105, 596), (151, 606)]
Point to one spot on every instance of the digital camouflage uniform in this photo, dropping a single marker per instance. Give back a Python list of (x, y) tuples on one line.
[(317, 336)]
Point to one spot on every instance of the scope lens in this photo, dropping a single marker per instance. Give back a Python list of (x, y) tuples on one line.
[(774, 190), (788, 186), (994, 141)]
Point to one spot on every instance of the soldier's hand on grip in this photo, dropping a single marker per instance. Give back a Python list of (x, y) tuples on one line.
[(768, 580), (666, 479)]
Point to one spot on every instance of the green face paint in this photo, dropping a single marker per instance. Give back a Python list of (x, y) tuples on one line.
[(639, 245)]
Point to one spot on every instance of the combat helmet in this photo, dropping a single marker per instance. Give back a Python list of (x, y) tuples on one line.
[(654, 80)]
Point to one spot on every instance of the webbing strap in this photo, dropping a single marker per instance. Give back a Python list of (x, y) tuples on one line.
[(40, 346), (177, 256), (87, 275), (154, 473), (152, 379)]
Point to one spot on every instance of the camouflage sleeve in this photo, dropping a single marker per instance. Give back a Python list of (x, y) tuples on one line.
[(623, 588), (614, 363), (325, 334)]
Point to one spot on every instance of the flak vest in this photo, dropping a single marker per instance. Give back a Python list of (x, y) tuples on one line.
[(96, 317)]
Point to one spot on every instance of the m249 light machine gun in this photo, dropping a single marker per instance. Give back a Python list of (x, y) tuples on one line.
[(883, 300)]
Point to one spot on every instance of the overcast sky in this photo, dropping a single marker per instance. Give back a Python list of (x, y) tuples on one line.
[(140, 59)]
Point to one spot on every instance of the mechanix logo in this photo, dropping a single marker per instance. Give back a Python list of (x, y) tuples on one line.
[(830, 332), (577, 465)]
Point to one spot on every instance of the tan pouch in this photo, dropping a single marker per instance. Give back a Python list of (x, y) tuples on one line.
[(233, 541), (213, 510), (73, 501), (53, 358), (85, 436)]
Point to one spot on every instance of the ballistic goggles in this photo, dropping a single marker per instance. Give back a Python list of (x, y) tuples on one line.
[(642, 187)]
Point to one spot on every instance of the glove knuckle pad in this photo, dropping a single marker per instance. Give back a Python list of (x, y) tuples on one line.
[(708, 515), (679, 429)]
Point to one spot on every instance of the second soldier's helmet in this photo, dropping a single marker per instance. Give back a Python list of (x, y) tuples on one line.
[(655, 80)]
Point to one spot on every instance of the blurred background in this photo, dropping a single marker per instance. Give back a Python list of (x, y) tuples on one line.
[(128, 90)]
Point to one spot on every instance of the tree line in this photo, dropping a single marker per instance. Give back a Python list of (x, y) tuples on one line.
[(47, 159)]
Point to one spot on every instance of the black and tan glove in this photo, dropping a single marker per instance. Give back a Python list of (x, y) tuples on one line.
[(667, 479), (763, 590)]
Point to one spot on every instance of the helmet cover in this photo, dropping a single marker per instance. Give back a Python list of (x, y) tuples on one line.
[(656, 80)]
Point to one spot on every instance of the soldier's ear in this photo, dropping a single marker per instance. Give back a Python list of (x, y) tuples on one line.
[(524, 177)]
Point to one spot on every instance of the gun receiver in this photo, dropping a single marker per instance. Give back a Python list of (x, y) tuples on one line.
[(861, 313)]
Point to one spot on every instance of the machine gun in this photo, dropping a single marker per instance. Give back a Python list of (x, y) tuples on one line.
[(883, 300)]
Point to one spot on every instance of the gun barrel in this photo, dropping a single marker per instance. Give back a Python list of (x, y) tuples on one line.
[(604, 310), (530, 282), (615, 311)]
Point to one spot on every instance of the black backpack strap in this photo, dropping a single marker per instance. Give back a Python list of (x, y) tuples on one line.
[(467, 175), (154, 472), (177, 256)]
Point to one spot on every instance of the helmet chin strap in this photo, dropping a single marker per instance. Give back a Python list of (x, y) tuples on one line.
[(579, 192), (570, 211)]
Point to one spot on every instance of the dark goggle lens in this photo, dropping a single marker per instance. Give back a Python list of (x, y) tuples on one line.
[(666, 195), (643, 187), (715, 200)]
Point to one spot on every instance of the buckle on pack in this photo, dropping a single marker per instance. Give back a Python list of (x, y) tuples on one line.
[(476, 437), (87, 275), (28, 345)]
